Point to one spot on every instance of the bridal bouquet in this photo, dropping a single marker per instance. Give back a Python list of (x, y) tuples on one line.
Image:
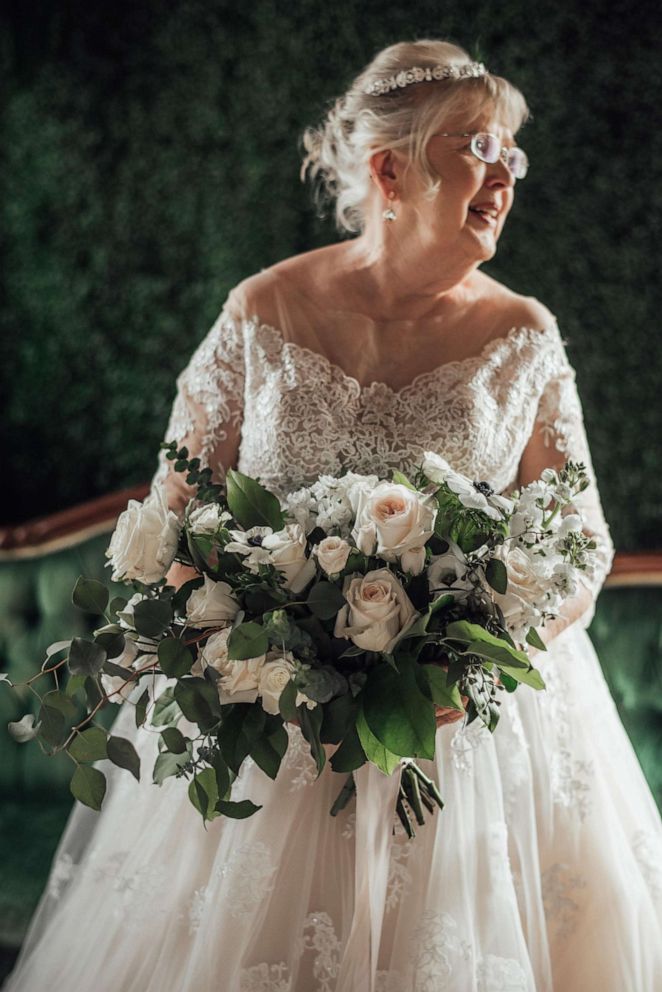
[(353, 607)]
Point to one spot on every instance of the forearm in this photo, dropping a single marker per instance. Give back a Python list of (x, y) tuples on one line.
[(178, 574)]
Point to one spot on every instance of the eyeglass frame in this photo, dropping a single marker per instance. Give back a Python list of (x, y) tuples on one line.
[(503, 148)]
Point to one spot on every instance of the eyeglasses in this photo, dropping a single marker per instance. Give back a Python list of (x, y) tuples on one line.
[(488, 148)]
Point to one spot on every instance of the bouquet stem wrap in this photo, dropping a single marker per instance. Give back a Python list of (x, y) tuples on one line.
[(376, 795)]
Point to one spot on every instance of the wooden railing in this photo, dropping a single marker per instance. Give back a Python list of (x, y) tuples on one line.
[(98, 516)]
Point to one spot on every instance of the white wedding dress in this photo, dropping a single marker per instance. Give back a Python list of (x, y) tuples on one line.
[(544, 870)]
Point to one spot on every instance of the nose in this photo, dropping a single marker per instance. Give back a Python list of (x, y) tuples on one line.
[(500, 175)]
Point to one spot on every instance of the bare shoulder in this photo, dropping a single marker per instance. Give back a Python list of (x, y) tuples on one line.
[(504, 309), (259, 293)]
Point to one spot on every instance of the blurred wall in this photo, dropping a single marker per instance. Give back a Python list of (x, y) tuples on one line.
[(149, 161)]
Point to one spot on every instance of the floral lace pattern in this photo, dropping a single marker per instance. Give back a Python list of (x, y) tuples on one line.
[(559, 882), (465, 741), (298, 762), (319, 935), (647, 852), (248, 874)]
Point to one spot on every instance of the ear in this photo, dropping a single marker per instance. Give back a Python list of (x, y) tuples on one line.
[(385, 172)]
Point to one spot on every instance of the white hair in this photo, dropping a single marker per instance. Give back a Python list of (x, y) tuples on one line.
[(357, 124)]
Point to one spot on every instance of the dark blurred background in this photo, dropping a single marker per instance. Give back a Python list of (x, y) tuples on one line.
[(149, 161)]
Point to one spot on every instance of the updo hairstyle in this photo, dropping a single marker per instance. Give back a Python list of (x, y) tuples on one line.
[(358, 124)]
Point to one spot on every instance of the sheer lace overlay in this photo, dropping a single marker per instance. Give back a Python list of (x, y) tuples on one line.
[(543, 873)]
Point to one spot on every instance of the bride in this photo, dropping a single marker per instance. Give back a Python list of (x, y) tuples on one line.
[(544, 870)]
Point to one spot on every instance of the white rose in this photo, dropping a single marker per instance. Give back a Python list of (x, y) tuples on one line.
[(145, 539), (378, 610), (391, 519), (211, 605), (287, 548), (114, 685), (275, 674), (332, 554), (239, 678), (207, 519), (526, 591)]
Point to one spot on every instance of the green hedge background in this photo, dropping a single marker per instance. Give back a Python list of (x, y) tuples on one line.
[(149, 160)]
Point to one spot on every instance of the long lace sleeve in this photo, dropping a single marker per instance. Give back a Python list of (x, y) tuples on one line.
[(559, 435), (207, 413)]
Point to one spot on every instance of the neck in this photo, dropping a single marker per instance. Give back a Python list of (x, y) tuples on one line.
[(407, 278)]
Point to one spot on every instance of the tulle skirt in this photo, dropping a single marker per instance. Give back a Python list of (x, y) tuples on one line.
[(543, 872)]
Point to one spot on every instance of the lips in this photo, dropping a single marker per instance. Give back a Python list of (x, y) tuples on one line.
[(485, 209)]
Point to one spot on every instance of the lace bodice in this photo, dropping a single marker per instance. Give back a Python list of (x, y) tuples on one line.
[(285, 413)]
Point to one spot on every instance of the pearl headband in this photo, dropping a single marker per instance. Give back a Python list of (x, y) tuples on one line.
[(418, 75)]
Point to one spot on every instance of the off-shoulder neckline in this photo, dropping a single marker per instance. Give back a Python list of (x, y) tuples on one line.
[(490, 350)]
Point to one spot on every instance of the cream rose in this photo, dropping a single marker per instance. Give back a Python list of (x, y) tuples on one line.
[(377, 612), (211, 605), (145, 540), (332, 554), (526, 591), (275, 674), (239, 678), (287, 548), (392, 519)]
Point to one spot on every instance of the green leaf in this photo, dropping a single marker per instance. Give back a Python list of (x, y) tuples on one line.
[(61, 701), (251, 504), (530, 677), (397, 712), (168, 764), (203, 793), (123, 754), (534, 638), (88, 785), (325, 600), (238, 811), (500, 653), (310, 722), (507, 681), (233, 742), (175, 658), (85, 657), (350, 755), (373, 749), (198, 701), (89, 745), (463, 630), (152, 617), (247, 640), (53, 726), (90, 595), (497, 575), (56, 647), (117, 604), (174, 740), (24, 729), (440, 692), (287, 702), (401, 479), (339, 716), (267, 752), (140, 713), (166, 709), (113, 644)]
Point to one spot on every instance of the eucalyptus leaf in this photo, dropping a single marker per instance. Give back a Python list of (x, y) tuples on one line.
[(85, 657), (325, 600), (168, 764), (247, 640), (350, 755), (123, 754), (152, 617), (203, 793), (238, 811), (497, 575), (90, 595), (174, 740), (89, 745), (53, 727), (175, 658), (88, 785), (311, 723)]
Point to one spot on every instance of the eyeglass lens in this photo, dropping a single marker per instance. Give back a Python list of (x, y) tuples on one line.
[(488, 148)]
